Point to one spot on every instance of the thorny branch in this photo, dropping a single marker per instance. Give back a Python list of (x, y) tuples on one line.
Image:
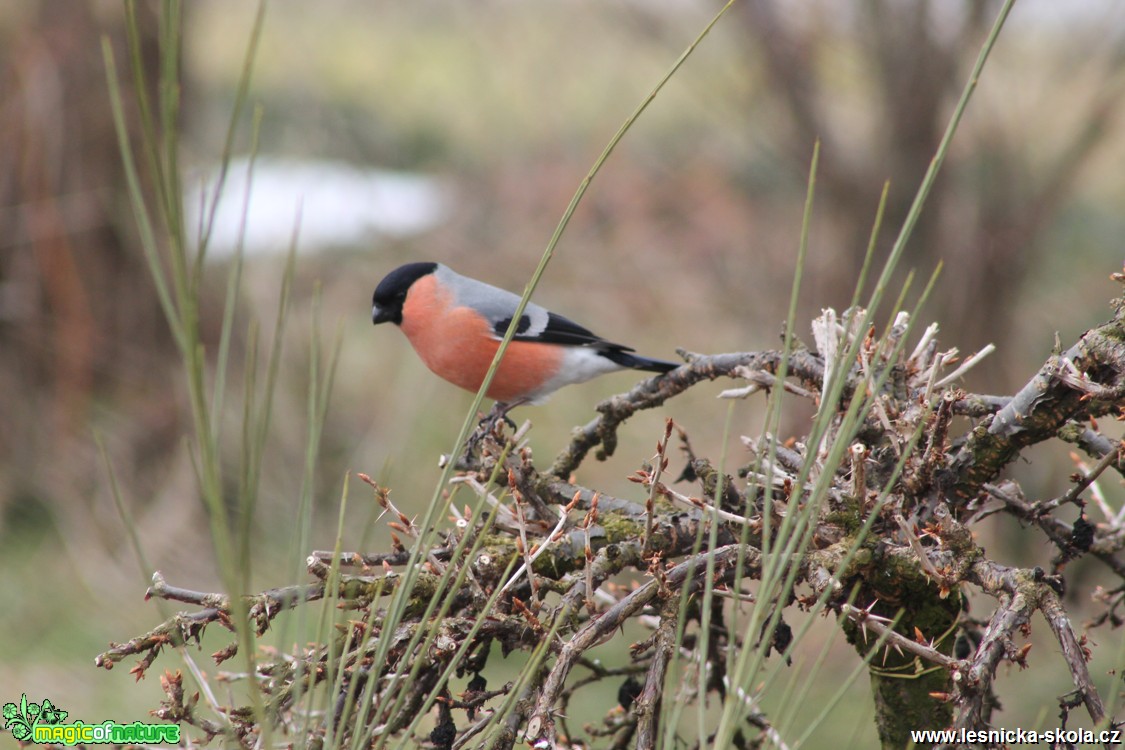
[(804, 365), (883, 538)]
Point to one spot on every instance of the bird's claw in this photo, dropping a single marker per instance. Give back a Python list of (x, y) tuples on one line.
[(486, 427), (488, 423)]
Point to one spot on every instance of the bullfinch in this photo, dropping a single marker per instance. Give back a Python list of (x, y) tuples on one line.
[(455, 324)]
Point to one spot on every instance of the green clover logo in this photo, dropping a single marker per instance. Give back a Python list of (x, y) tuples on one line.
[(15, 718), (20, 720)]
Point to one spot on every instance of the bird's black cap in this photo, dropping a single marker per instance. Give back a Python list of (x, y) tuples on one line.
[(386, 303)]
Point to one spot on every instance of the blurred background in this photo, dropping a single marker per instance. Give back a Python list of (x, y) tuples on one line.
[(458, 132)]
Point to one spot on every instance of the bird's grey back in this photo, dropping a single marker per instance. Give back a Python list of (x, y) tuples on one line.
[(494, 303)]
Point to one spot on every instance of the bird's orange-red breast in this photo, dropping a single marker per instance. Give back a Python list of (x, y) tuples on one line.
[(458, 344)]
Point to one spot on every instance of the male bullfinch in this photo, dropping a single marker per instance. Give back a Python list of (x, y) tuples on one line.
[(455, 325)]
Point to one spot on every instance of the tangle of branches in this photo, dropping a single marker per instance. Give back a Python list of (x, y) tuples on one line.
[(868, 519)]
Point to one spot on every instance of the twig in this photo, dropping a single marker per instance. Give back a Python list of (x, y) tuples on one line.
[(647, 705), (1080, 486), (1073, 652), (893, 639), (967, 365), (530, 560), (655, 391)]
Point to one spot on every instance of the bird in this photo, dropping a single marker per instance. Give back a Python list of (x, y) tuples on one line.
[(455, 325)]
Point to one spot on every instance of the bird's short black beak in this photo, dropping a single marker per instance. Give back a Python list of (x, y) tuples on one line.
[(382, 315)]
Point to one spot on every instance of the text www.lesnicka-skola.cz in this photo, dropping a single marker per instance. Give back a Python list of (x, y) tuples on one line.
[(928, 737)]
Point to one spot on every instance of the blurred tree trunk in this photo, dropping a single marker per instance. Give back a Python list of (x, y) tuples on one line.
[(77, 305), (984, 213)]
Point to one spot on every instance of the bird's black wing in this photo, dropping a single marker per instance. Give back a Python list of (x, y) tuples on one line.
[(559, 330), (566, 332)]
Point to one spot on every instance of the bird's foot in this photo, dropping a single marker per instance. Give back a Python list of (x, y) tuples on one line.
[(488, 426), (498, 413)]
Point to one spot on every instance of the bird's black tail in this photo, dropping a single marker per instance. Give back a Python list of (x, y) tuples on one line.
[(632, 361)]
